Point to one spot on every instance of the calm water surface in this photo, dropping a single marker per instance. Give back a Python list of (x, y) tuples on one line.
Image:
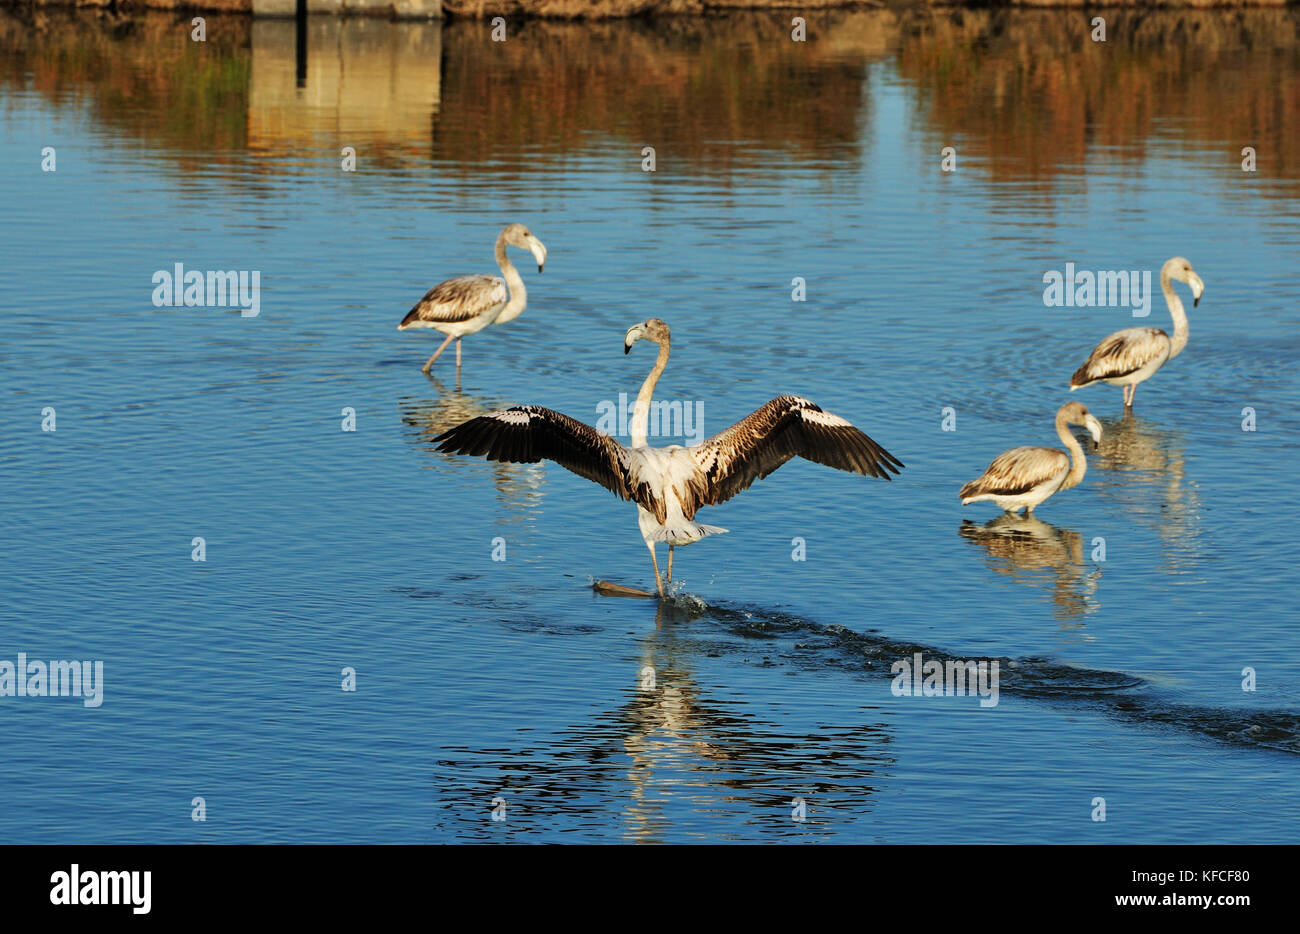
[(479, 679)]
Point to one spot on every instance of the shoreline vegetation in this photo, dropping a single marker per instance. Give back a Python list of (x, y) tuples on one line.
[(606, 9)]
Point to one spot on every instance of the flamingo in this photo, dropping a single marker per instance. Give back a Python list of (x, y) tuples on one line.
[(468, 304), (670, 484), (1022, 478), (1133, 355)]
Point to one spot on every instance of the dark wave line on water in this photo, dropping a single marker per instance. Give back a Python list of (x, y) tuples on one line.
[(1124, 696)]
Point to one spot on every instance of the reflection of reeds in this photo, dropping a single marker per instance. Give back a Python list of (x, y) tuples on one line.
[(691, 88), (1032, 93), (142, 77), (1028, 91), (595, 10)]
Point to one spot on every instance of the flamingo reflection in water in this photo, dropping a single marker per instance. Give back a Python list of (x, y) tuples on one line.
[(1037, 553)]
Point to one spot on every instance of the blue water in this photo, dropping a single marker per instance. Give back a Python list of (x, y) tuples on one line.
[(479, 679)]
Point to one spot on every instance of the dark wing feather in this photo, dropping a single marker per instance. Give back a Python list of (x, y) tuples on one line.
[(525, 434), (784, 428)]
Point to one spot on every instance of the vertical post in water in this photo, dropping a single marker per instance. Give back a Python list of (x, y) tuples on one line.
[(300, 56)]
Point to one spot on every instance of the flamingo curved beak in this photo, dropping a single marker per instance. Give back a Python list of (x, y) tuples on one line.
[(538, 249), (634, 334), (1198, 287), (1094, 429)]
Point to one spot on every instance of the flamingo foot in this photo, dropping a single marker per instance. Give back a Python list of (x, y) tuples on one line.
[(611, 589)]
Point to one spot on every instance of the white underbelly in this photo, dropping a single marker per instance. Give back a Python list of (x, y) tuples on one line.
[(1030, 498), (676, 529), (671, 469)]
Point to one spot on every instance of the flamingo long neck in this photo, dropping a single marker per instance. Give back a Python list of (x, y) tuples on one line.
[(641, 412), (518, 294), (1176, 312), (1078, 462)]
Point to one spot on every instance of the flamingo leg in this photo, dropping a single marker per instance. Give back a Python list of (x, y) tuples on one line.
[(458, 353), (670, 565), (441, 348), (1133, 391), (658, 580)]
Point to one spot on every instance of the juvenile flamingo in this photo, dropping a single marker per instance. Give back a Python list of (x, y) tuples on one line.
[(1024, 477), (468, 304), (670, 484), (1133, 355)]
